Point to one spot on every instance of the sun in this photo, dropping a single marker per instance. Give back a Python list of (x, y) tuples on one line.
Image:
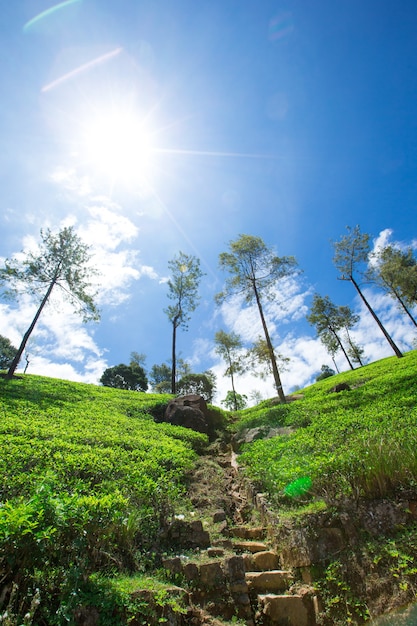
[(118, 145)]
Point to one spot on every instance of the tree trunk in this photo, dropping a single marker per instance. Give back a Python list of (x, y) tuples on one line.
[(341, 347), (275, 371), (28, 333), (404, 307), (174, 358), (233, 387), (395, 348)]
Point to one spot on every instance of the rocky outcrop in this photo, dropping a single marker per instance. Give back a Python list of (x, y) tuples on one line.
[(188, 411)]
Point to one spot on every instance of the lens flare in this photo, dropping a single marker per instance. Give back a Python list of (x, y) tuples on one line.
[(298, 487), (47, 13), (82, 68)]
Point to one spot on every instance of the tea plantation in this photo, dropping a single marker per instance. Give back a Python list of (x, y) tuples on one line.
[(88, 479)]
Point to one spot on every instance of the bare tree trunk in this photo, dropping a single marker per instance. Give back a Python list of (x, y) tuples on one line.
[(341, 347), (233, 385), (174, 357), (391, 342), (275, 371), (404, 307), (28, 333)]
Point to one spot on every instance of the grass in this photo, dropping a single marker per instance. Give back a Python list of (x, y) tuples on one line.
[(87, 480), (358, 443)]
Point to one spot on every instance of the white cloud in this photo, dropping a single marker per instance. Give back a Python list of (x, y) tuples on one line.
[(61, 345), (68, 179)]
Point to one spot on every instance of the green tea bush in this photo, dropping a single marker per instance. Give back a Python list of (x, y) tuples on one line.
[(359, 443), (87, 481)]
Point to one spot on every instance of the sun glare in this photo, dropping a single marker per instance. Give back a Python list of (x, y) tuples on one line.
[(118, 145)]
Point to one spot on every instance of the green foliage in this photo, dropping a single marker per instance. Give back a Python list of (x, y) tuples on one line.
[(131, 377), (351, 255), (329, 320), (7, 352), (255, 272), (87, 479), (395, 271), (62, 260), (389, 561), (235, 401), (202, 384), (183, 288), (357, 443), (259, 355), (160, 378), (326, 371), (343, 605)]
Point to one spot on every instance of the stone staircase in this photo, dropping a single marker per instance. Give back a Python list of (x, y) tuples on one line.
[(239, 576)]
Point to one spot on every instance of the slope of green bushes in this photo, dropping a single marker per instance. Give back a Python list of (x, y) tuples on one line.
[(87, 480), (360, 442)]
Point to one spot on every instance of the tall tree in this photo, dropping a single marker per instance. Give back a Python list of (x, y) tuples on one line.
[(258, 355), (183, 291), (351, 252), (229, 346), (349, 320), (62, 260), (235, 401), (255, 272), (395, 272), (326, 318)]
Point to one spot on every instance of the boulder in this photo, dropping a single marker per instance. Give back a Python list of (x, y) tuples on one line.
[(340, 387), (188, 411)]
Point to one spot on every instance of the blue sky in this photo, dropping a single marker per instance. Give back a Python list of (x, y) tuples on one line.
[(160, 126)]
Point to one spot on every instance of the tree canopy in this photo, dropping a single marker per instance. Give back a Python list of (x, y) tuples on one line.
[(255, 272), (131, 377), (183, 291), (395, 271), (7, 352), (230, 347), (202, 384), (351, 252), (62, 260)]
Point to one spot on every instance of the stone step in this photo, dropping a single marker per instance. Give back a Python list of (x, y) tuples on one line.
[(261, 561), (270, 581), (293, 610), (250, 546), (248, 532)]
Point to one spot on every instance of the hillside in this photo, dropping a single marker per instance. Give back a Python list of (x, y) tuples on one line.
[(93, 491)]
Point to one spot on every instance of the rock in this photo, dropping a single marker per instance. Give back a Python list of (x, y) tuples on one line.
[(271, 581), (266, 560), (235, 568), (211, 575), (190, 571), (248, 532), (188, 411), (215, 552), (219, 516), (290, 610), (250, 546), (249, 435), (173, 565), (185, 534), (340, 387)]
